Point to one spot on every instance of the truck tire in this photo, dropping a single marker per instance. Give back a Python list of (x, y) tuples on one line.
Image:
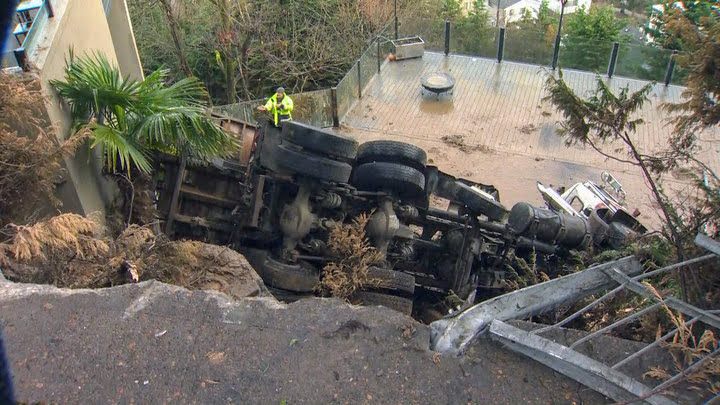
[(392, 152), (367, 298), (480, 204), (290, 277), (311, 165), (619, 234), (405, 181), (391, 280), (320, 140), (598, 227)]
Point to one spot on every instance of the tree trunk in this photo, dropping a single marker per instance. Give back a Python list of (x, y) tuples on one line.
[(675, 236), (175, 33), (227, 43)]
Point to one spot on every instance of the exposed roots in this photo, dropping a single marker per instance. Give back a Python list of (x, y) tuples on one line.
[(66, 233), (30, 153), (70, 251), (349, 272)]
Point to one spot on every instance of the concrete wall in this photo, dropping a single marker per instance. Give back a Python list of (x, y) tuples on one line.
[(123, 38), (82, 26)]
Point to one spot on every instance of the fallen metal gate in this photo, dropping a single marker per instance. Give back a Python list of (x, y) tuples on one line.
[(607, 379)]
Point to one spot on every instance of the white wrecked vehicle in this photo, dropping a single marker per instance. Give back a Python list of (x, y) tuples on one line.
[(609, 220)]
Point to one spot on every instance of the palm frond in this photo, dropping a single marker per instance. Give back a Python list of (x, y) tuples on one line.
[(120, 150), (92, 84), (134, 116)]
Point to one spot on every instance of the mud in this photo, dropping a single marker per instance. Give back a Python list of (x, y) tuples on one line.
[(515, 175)]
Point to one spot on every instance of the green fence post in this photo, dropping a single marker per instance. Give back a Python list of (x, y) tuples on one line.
[(501, 45), (447, 38), (556, 51), (396, 21), (379, 57), (613, 59), (359, 79), (334, 106), (670, 68)]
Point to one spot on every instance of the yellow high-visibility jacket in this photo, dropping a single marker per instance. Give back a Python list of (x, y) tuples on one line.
[(286, 105)]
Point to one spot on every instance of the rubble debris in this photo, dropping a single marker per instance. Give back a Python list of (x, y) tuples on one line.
[(458, 141), (70, 250), (528, 128)]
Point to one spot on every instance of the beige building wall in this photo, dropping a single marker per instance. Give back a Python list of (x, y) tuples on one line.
[(123, 38), (80, 25)]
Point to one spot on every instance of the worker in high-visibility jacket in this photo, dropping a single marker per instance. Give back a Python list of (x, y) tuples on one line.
[(280, 106)]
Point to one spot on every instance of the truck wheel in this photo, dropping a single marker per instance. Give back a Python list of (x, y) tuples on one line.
[(619, 235), (290, 277), (478, 203), (312, 165), (392, 152), (391, 280), (405, 181), (400, 304), (319, 140), (598, 226)]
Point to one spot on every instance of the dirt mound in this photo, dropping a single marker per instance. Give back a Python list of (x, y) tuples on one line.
[(71, 251)]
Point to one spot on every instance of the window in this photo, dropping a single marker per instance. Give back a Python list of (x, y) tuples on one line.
[(576, 204), (106, 6)]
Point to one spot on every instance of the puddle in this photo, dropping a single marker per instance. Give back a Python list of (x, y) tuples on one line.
[(549, 138), (431, 105)]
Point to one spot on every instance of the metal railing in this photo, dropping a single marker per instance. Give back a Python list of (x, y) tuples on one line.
[(576, 355), (312, 107), (534, 46), (18, 57), (638, 61), (327, 107)]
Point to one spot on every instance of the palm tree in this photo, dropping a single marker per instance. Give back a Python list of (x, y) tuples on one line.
[(129, 118)]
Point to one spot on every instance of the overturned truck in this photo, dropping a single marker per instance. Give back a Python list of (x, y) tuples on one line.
[(279, 200)]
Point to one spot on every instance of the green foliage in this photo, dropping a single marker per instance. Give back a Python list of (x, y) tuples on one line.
[(244, 49), (473, 32), (599, 23), (451, 10), (606, 117), (539, 31), (545, 16), (588, 38), (700, 108), (694, 12), (128, 118), (600, 118)]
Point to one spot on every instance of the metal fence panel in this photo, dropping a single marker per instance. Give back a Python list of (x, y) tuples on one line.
[(465, 40), (37, 28), (585, 54), (453, 334), (312, 107), (642, 62), (529, 46)]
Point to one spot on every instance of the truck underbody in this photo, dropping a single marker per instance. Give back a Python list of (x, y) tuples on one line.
[(277, 203)]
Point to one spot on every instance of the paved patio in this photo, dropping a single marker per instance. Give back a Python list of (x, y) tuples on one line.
[(494, 105), (511, 133)]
